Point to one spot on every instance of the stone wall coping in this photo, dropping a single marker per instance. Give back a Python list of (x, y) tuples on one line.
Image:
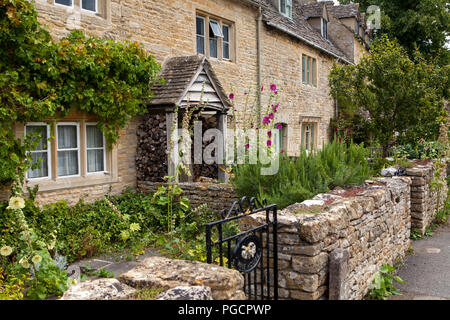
[(336, 216)]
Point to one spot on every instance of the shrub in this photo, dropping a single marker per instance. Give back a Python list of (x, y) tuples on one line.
[(298, 179)]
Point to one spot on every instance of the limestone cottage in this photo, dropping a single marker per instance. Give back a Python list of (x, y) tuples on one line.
[(231, 45)]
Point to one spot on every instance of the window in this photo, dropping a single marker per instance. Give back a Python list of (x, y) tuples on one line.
[(41, 153), (200, 35), (324, 28), (68, 150), (226, 42), (357, 27), (90, 5), (285, 7), (67, 3), (281, 143), (95, 149), (308, 136), (309, 70), (214, 37), (215, 33)]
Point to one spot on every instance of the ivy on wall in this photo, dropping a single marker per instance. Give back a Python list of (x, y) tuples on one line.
[(41, 79)]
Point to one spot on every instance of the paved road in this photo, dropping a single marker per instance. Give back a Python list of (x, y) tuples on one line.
[(427, 272)]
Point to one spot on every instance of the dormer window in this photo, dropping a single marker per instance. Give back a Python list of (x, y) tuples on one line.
[(285, 7), (324, 28), (357, 27)]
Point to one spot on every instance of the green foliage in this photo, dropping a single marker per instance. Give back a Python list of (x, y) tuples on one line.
[(422, 150), (12, 285), (382, 286), (337, 164), (399, 100), (146, 294), (41, 80), (423, 24)]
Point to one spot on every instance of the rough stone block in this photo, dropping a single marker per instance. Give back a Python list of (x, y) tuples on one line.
[(339, 265)]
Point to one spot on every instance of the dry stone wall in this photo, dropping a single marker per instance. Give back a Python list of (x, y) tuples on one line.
[(368, 230), (216, 196), (426, 201)]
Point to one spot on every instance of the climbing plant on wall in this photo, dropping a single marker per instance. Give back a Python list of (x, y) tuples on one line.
[(41, 80)]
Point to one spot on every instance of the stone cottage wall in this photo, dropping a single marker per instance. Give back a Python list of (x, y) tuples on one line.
[(371, 229), (424, 199), (216, 196)]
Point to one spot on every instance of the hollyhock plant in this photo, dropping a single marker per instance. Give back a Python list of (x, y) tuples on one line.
[(266, 121), (231, 96), (271, 116), (279, 126), (269, 143), (269, 134), (273, 87)]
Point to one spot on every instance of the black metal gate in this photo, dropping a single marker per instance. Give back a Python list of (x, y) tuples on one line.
[(253, 252)]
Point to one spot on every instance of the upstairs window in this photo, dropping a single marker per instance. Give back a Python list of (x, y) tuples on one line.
[(215, 33), (200, 35), (214, 37), (226, 42), (324, 28), (309, 70), (67, 3), (89, 5), (285, 7)]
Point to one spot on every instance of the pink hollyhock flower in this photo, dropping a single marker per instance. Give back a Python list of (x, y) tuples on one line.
[(251, 125), (282, 151), (262, 88), (273, 87), (266, 120), (269, 143), (340, 139), (275, 109), (279, 126), (231, 96), (247, 146), (269, 133), (271, 116)]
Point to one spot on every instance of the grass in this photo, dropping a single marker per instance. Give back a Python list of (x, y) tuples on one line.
[(146, 294)]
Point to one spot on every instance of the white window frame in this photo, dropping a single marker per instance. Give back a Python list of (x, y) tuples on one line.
[(86, 10), (49, 156), (287, 4), (216, 37), (63, 5), (226, 42), (77, 124), (86, 153), (198, 35)]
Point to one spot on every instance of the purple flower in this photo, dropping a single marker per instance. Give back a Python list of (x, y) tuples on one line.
[(251, 125), (279, 126), (269, 133), (269, 143), (266, 120), (275, 108), (262, 88), (247, 146), (271, 116), (273, 87), (245, 93), (231, 96), (282, 151)]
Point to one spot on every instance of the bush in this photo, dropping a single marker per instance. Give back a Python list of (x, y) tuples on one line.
[(423, 150), (298, 179)]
